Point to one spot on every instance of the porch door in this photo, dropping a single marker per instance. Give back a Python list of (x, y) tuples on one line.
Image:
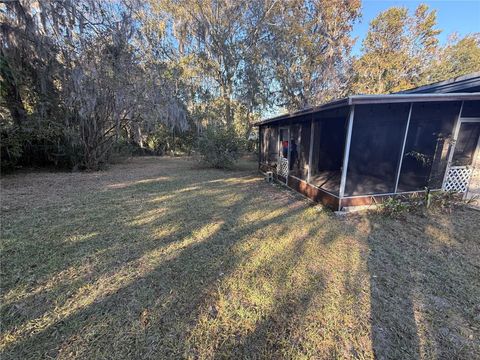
[(283, 152), (464, 169)]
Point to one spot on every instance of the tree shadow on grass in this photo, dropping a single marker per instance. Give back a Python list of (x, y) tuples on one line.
[(292, 303), (394, 329), (154, 273), (56, 253), (274, 335), (424, 282), (148, 315)]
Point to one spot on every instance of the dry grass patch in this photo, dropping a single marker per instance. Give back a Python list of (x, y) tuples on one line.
[(156, 258)]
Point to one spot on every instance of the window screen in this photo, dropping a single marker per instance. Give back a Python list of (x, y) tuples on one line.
[(272, 145), (294, 147), (426, 149), (299, 149), (262, 142), (304, 153), (376, 144), (283, 143), (328, 147), (471, 108), (466, 144)]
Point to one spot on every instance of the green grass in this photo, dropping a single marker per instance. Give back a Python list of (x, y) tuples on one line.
[(156, 258)]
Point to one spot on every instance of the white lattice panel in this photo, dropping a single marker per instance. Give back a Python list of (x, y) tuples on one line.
[(282, 168), (457, 179)]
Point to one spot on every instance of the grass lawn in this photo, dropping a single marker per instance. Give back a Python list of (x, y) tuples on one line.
[(155, 258)]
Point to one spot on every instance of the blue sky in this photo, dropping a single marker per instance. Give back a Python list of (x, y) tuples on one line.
[(462, 16)]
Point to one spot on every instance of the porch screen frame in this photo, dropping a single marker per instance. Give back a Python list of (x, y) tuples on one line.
[(476, 153), (280, 157), (346, 152), (456, 128)]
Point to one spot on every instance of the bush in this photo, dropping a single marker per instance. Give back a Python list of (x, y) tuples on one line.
[(10, 148), (38, 146), (393, 207), (436, 201), (219, 147), (444, 200), (165, 140)]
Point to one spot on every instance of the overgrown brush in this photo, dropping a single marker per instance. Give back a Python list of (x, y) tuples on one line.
[(219, 147), (436, 201)]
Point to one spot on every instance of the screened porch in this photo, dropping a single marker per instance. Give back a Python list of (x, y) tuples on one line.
[(373, 146)]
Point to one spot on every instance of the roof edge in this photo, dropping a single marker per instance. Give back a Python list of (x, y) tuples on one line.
[(307, 111), (455, 82), (373, 99)]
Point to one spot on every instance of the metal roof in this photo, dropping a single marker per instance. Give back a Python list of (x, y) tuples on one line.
[(374, 99), (466, 83)]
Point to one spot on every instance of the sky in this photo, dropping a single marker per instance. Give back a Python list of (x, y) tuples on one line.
[(462, 16)]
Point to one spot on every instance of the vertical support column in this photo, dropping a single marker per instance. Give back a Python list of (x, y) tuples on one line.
[(259, 142), (399, 167), (310, 154), (456, 130), (346, 153), (288, 154), (279, 158)]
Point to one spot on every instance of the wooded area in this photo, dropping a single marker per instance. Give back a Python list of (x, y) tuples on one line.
[(82, 80)]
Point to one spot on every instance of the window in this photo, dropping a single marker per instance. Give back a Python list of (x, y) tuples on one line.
[(376, 143), (426, 148)]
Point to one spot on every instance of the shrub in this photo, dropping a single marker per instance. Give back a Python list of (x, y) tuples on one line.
[(444, 200), (394, 207), (436, 201), (10, 148), (38, 146), (218, 147)]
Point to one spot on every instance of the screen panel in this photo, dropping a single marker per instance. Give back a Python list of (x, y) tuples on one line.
[(294, 145), (426, 148), (272, 145), (376, 143), (299, 149), (304, 153), (262, 145), (283, 142), (471, 109), (329, 129), (466, 144)]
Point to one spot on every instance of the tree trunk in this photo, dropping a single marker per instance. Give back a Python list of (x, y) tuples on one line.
[(138, 138), (227, 98)]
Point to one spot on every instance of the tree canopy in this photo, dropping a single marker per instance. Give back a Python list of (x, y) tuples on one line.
[(82, 79), (401, 51)]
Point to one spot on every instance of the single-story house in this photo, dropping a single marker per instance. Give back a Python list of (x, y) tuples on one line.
[(363, 148)]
